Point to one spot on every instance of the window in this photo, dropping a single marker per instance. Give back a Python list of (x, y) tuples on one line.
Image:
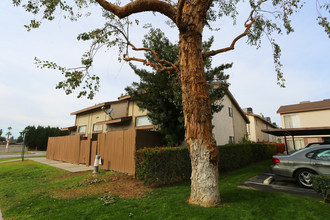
[(142, 121), (323, 155), (310, 154), (97, 128), (82, 129), (291, 121), (231, 140), (230, 111)]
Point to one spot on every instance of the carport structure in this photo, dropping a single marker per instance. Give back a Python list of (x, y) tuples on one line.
[(307, 131)]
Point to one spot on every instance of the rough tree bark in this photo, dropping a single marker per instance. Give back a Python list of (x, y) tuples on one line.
[(190, 18), (196, 107)]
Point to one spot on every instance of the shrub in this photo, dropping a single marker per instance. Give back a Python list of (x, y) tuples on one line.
[(321, 185), (161, 166), (167, 165)]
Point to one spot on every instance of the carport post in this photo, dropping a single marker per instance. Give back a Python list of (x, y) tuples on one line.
[(294, 143), (286, 145)]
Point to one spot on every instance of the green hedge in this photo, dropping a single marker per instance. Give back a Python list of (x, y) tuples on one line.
[(321, 185), (167, 165)]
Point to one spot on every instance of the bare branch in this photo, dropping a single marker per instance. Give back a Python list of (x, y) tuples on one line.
[(140, 6), (248, 23), (159, 66)]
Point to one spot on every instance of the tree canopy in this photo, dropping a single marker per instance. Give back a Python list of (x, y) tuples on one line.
[(160, 92), (266, 18), (37, 137)]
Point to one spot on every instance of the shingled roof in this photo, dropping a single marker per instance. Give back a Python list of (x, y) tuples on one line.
[(306, 106)]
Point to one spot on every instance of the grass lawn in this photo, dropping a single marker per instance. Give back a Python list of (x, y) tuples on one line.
[(18, 158), (27, 192)]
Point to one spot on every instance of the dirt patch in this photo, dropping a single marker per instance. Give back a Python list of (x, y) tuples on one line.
[(117, 184), (71, 175)]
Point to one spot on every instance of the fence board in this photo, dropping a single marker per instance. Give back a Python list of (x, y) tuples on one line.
[(65, 148), (116, 149)]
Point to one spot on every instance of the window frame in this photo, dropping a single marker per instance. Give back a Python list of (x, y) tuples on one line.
[(97, 131), (82, 132), (230, 112)]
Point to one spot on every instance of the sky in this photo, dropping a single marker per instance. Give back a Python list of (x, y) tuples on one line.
[(28, 95)]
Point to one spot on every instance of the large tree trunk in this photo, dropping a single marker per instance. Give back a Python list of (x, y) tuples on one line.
[(197, 109)]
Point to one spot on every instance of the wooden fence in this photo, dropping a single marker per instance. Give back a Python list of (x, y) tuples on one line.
[(116, 148)]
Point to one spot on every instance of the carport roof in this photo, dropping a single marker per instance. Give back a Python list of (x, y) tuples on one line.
[(298, 131)]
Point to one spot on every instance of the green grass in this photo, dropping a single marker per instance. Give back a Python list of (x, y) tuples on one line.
[(18, 158), (25, 187)]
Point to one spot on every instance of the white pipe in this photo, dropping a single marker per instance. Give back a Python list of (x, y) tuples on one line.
[(96, 163)]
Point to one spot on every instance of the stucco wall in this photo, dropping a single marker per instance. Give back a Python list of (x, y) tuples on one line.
[(89, 119), (311, 119), (223, 124), (120, 110), (239, 125)]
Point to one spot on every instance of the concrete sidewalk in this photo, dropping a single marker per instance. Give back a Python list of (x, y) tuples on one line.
[(63, 165)]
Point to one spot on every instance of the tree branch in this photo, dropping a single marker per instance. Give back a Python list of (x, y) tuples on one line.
[(140, 6), (179, 15), (157, 66), (232, 45)]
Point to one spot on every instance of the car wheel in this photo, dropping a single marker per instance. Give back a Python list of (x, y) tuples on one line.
[(303, 178)]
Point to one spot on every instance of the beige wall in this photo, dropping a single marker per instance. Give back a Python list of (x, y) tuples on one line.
[(254, 130), (239, 125), (223, 124), (90, 118), (319, 118), (311, 119)]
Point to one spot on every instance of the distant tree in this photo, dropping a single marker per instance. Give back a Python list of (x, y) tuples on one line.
[(12, 140), (19, 139), (2, 138), (38, 137), (160, 92), (8, 133)]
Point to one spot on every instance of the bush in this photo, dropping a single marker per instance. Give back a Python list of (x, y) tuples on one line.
[(167, 165), (234, 156), (161, 166), (321, 185)]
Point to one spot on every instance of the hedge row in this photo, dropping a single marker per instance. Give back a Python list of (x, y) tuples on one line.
[(167, 165), (321, 185)]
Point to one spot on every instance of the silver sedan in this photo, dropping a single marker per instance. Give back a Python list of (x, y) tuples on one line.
[(303, 163)]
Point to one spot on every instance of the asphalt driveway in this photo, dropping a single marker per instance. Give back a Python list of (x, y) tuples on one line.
[(269, 182)]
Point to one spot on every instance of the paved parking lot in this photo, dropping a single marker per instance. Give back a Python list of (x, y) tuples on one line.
[(278, 184)]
